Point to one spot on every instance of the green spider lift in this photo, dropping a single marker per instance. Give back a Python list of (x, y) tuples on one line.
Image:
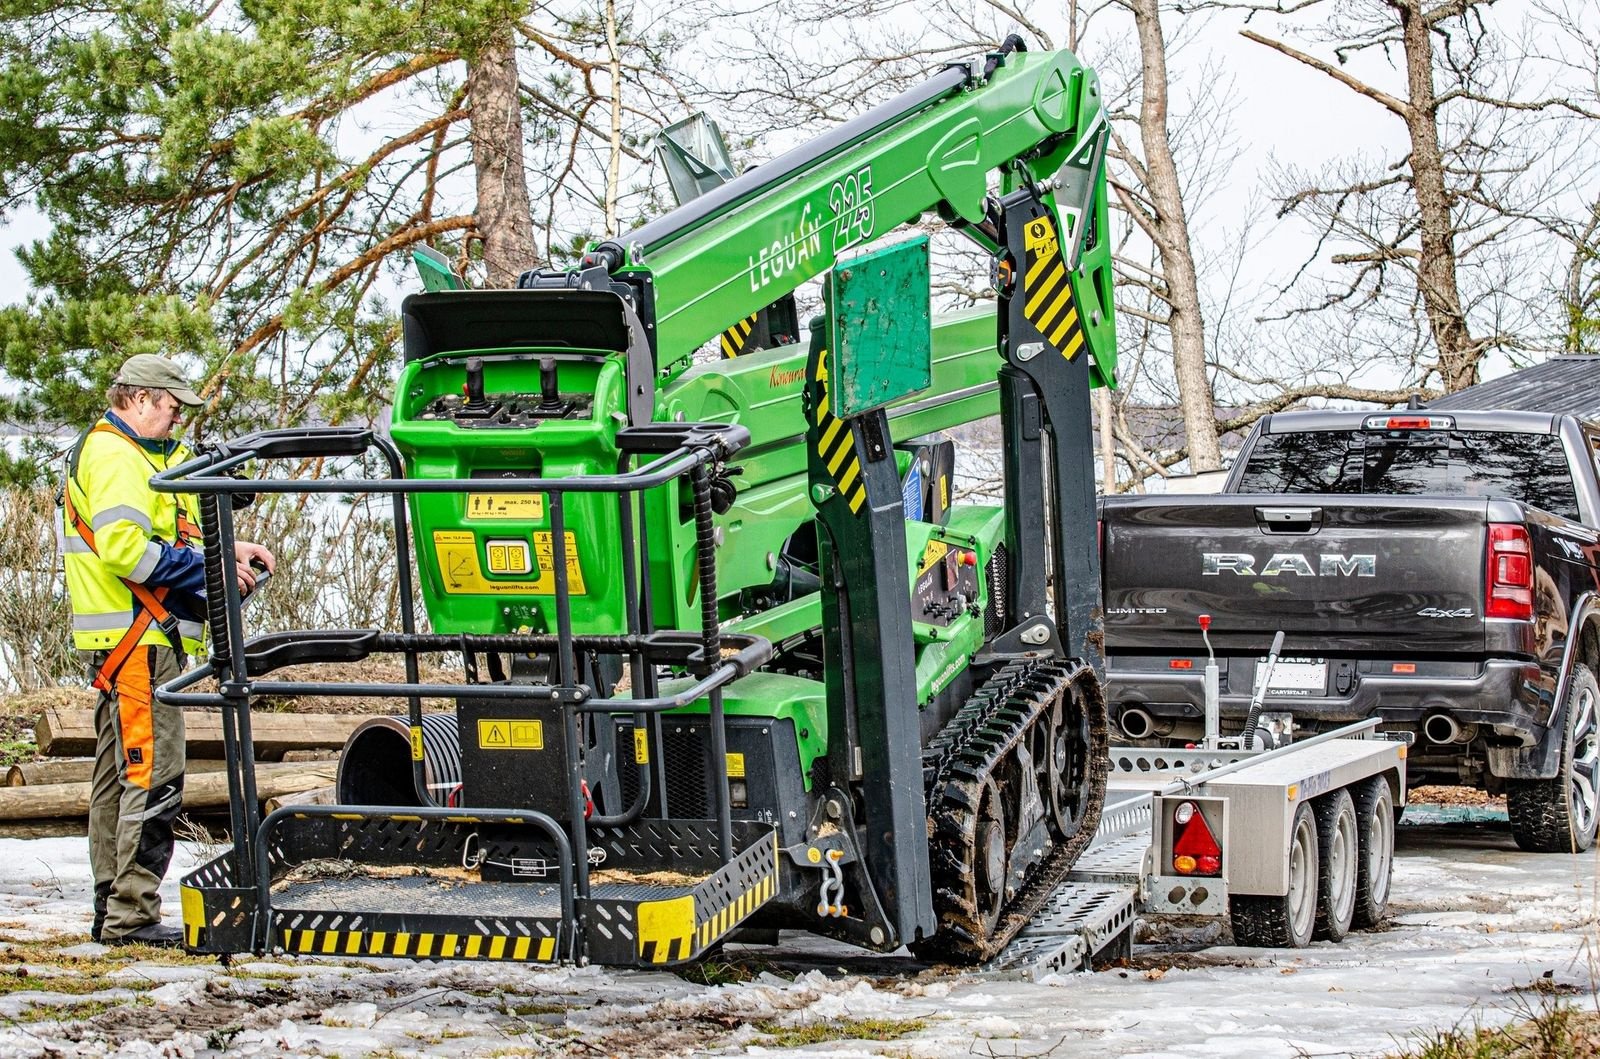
[(734, 656)]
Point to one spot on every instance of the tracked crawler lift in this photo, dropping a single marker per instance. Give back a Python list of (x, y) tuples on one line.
[(733, 658)]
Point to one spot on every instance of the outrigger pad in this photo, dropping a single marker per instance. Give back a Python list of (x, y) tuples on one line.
[(879, 327), (370, 884)]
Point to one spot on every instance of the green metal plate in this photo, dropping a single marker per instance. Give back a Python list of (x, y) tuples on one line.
[(880, 345)]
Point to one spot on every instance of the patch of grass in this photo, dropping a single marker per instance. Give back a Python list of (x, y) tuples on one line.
[(74, 1010), (845, 1030), (524, 1008), (1553, 1031), (70, 984), (728, 972), (48, 952), (17, 751)]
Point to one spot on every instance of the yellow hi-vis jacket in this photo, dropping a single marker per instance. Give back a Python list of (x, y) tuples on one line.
[(111, 492)]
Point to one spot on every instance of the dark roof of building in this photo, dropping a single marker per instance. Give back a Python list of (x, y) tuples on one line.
[(1559, 386)]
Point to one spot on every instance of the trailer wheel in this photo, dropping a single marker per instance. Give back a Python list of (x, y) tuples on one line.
[(1283, 922), (1375, 820), (1339, 852), (1558, 815)]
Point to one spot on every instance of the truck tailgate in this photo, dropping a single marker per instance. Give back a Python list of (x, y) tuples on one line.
[(1366, 568)]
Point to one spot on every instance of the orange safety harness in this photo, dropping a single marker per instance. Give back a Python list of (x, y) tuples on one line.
[(152, 607)]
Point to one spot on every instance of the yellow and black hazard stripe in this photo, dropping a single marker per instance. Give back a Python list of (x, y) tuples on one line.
[(836, 445), (679, 928), (1048, 304), (517, 948), (735, 338), (718, 924)]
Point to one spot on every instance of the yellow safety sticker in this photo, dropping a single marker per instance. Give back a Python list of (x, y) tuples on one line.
[(526, 506), (641, 747), (1040, 237), (461, 569), (935, 551), (735, 337), (416, 742), (1047, 290), (510, 734), (542, 547), (944, 492), (735, 766), (509, 557)]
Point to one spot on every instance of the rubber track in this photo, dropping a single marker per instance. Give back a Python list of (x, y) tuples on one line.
[(972, 746)]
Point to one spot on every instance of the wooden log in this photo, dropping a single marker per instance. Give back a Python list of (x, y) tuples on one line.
[(328, 795), (70, 733), (208, 790), (77, 770)]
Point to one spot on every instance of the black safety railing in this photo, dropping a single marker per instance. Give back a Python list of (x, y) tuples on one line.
[(242, 664)]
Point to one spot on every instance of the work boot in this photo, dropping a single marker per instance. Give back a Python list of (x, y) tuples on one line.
[(102, 894), (158, 934)]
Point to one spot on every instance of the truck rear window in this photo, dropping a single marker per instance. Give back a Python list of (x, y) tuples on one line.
[(1529, 468)]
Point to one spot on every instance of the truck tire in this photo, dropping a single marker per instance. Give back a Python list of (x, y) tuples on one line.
[(1558, 815), (1283, 922), (1375, 820), (1338, 859)]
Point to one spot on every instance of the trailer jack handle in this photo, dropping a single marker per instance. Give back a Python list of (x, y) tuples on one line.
[(1248, 736)]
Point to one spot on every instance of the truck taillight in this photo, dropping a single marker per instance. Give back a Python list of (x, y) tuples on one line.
[(1194, 847), (1510, 574)]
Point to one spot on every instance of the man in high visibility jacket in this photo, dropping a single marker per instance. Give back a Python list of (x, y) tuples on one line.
[(136, 579)]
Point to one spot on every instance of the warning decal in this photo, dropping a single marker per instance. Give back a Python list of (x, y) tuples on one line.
[(528, 506), (1048, 303), (735, 337), (504, 734), (461, 565)]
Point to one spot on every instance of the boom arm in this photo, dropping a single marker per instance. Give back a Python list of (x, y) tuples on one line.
[(1036, 118)]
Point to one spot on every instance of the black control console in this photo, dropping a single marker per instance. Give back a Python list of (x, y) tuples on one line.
[(475, 408)]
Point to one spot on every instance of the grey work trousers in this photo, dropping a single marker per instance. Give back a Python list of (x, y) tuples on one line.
[(136, 792)]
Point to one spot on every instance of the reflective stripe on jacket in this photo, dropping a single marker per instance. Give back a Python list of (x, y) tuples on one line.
[(111, 492)]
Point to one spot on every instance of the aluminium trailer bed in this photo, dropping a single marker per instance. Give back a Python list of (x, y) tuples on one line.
[(1275, 876)]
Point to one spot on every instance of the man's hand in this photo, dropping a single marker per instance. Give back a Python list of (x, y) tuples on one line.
[(246, 556)]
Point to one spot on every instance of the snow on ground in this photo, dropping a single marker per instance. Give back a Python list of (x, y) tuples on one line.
[(1479, 932)]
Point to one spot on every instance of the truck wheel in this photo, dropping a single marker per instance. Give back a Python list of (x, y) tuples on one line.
[(1375, 820), (1558, 815), (1339, 852), (1283, 922)]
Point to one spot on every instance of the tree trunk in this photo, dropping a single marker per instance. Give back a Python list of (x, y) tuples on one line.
[(1436, 269), (1172, 240), (1108, 442), (504, 220)]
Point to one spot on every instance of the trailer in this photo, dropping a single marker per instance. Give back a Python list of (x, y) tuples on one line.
[(1289, 844)]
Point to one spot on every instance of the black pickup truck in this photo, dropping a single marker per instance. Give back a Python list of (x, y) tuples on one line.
[(1438, 569)]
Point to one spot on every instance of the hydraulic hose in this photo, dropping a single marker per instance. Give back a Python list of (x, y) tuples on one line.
[(216, 587), (706, 559), (1012, 43)]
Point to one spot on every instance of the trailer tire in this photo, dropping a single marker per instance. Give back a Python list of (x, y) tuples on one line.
[(1284, 922), (1338, 860), (1375, 820), (1558, 815)]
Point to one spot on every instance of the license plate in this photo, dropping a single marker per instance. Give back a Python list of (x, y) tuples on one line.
[(1295, 676)]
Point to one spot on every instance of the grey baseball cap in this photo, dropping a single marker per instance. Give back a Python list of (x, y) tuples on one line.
[(157, 373)]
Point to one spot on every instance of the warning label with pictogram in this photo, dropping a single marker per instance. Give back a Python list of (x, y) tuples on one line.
[(510, 734), (1046, 292)]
